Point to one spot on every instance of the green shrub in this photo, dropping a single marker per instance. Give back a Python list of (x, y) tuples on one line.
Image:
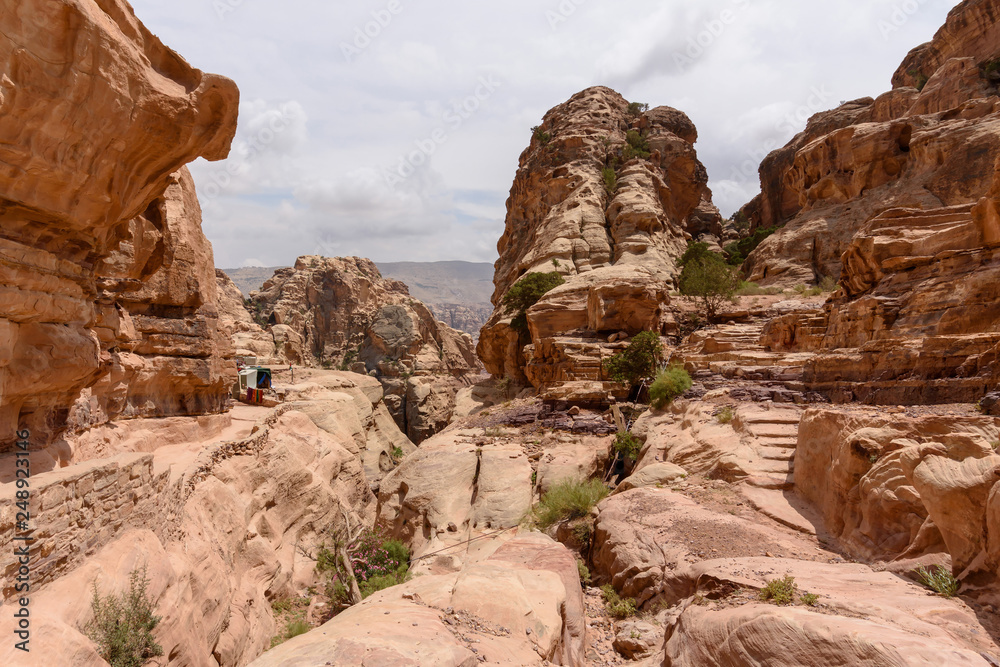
[(617, 606), (381, 582), (939, 580), (669, 384), (725, 415), (123, 624), (636, 146), (779, 591), (570, 499), (296, 628), (828, 284), (706, 277), (610, 180), (627, 446), (336, 591), (397, 454), (584, 572), (637, 108), (505, 386), (541, 135), (525, 293), (809, 599), (638, 361), (374, 555), (737, 252)]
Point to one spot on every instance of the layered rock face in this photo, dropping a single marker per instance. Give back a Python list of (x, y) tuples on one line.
[(930, 142), (341, 311), (221, 536), (611, 226), (897, 197), (73, 183), (247, 336), (158, 318)]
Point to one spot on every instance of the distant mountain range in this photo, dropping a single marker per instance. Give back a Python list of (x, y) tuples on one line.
[(457, 292)]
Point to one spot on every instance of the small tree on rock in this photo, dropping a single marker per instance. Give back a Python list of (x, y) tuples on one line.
[(638, 361), (707, 278), (525, 293)]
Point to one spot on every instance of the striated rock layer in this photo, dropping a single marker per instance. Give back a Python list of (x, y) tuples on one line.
[(611, 225), (898, 198), (341, 311), (88, 144)]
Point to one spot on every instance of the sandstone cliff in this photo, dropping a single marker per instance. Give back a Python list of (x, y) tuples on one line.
[(608, 195), (930, 142), (342, 312), (75, 186), (897, 198)]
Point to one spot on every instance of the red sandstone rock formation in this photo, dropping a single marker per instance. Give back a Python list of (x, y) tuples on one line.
[(341, 312), (71, 185), (616, 247)]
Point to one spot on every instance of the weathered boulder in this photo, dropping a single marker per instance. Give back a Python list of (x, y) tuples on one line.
[(891, 488), (520, 606), (458, 484)]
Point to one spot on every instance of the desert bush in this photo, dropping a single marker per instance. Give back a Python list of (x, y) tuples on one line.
[(725, 415), (570, 499), (375, 555), (637, 108), (636, 146), (627, 446), (668, 385), (610, 180), (706, 278), (381, 582), (738, 251), (505, 386), (525, 293), (584, 572), (829, 284), (295, 628), (541, 135), (617, 606), (638, 361), (123, 624), (809, 599), (779, 591), (939, 580)]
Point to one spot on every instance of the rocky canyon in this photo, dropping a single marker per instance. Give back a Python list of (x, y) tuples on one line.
[(805, 474)]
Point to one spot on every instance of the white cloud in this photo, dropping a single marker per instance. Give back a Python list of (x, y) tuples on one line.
[(320, 182)]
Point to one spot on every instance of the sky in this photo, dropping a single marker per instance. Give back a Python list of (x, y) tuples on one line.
[(391, 129)]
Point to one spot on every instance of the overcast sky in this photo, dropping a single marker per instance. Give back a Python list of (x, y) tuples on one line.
[(402, 144)]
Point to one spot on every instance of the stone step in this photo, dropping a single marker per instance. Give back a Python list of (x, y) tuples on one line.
[(777, 453), (784, 507), (779, 443), (775, 482), (777, 467)]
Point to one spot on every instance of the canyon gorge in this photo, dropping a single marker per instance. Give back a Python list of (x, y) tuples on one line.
[(824, 489)]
